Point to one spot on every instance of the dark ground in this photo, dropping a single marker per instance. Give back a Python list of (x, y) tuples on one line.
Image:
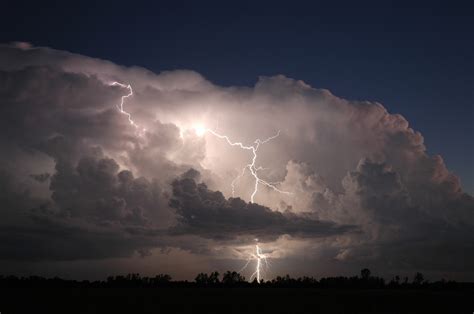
[(232, 300)]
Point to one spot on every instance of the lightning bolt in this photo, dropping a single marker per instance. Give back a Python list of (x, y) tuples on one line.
[(253, 148), (122, 111), (258, 256), (251, 166)]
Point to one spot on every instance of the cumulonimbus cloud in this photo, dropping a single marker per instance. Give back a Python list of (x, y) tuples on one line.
[(69, 156)]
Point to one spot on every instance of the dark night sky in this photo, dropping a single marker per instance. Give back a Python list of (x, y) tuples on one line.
[(416, 60)]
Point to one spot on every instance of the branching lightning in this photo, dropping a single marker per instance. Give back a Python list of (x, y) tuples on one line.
[(201, 131), (258, 256), (122, 111), (251, 166)]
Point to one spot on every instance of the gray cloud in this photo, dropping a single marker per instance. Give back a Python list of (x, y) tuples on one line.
[(346, 163), (209, 214), (96, 189), (41, 177), (48, 238)]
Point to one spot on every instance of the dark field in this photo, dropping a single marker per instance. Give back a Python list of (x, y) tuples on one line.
[(232, 300)]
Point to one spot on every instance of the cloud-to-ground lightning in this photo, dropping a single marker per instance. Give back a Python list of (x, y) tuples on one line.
[(122, 101), (258, 256)]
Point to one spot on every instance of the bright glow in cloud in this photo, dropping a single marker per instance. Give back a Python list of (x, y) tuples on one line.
[(345, 163), (200, 130)]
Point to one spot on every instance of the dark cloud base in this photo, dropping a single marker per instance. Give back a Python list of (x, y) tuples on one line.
[(209, 214)]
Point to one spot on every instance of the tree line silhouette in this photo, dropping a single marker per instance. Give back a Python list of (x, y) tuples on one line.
[(234, 279)]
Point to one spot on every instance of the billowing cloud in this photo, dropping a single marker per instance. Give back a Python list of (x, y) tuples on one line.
[(209, 214), (76, 176)]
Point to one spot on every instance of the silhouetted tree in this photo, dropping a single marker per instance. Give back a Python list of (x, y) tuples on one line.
[(418, 279), (205, 279), (395, 282), (202, 279), (233, 277), (162, 279), (214, 278), (365, 273)]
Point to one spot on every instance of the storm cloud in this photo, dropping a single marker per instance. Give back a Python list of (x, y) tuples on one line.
[(209, 214), (77, 181)]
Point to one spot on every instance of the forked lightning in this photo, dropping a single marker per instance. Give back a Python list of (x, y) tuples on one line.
[(258, 256)]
